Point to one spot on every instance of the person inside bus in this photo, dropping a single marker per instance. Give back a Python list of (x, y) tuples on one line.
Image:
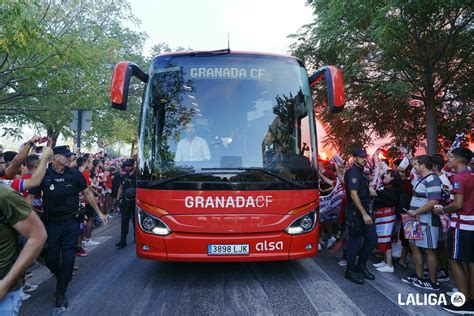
[(192, 147), (268, 151)]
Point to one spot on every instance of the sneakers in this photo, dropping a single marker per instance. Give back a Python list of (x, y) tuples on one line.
[(443, 276), (453, 290), (330, 242), (25, 297), (426, 284), (342, 262), (467, 308), (380, 264), (82, 253), (410, 279), (386, 268), (90, 242), (28, 274), (30, 288)]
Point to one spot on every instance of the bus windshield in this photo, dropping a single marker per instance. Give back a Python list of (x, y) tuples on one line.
[(244, 120)]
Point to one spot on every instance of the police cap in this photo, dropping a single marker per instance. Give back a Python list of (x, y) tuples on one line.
[(128, 162), (62, 150), (359, 152)]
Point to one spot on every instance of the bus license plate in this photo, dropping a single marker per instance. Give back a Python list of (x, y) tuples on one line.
[(228, 249)]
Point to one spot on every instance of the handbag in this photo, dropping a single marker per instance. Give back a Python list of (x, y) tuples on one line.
[(412, 227)]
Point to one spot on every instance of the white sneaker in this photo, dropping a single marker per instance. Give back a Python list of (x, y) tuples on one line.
[(25, 297), (380, 264), (30, 288), (90, 242), (386, 268), (330, 242), (319, 246)]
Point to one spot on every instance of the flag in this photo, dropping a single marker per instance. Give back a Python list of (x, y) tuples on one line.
[(329, 205)]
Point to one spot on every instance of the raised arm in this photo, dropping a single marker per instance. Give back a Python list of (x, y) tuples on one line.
[(39, 173)]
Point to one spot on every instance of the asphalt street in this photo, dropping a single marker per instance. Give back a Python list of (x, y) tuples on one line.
[(116, 282)]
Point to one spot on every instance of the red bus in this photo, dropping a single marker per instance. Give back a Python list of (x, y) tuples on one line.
[(227, 155)]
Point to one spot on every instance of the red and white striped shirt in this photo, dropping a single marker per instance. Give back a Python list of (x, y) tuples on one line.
[(463, 183)]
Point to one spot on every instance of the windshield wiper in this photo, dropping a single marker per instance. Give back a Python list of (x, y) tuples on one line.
[(184, 176), (211, 52), (273, 174)]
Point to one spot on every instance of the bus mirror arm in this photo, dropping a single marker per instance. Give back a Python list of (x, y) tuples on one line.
[(335, 86), (121, 77)]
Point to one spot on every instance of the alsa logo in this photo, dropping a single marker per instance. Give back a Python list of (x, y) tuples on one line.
[(269, 246), (227, 202)]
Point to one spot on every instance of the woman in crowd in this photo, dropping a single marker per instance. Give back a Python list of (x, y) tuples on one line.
[(385, 202)]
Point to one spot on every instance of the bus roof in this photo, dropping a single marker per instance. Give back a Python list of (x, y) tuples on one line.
[(210, 52)]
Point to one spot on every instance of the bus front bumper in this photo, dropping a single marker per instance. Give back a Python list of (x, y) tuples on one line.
[(186, 247)]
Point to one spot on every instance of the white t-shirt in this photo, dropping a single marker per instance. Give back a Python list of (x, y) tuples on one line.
[(192, 150)]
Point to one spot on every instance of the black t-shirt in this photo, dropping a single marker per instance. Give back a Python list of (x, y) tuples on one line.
[(61, 191), (128, 181), (355, 179)]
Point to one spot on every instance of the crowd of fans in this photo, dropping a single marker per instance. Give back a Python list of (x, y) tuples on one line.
[(25, 172), (419, 207)]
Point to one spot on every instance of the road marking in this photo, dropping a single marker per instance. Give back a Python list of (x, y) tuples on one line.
[(325, 296)]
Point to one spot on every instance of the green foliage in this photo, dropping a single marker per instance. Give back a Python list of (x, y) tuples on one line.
[(407, 67), (58, 56)]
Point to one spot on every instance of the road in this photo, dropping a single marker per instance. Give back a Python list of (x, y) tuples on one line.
[(116, 282)]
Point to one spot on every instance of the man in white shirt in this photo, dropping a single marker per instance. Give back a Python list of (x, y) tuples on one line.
[(193, 147)]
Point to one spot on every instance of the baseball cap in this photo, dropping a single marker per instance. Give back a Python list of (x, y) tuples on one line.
[(62, 150), (359, 152)]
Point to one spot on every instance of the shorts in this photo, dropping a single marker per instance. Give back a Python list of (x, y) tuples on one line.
[(430, 237), (460, 245), (90, 213)]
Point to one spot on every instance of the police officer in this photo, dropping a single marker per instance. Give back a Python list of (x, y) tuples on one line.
[(361, 228), (61, 187), (126, 193)]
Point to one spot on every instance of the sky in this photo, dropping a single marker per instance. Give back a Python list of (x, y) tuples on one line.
[(252, 25)]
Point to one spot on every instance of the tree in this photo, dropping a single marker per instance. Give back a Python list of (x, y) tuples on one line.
[(58, 56), (407, 66)]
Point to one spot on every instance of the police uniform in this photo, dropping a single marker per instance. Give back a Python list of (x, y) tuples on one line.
[(60, 204), (362, 237), (128, 183)]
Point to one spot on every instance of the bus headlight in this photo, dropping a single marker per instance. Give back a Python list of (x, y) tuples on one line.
[(302, 224), (152, 224)]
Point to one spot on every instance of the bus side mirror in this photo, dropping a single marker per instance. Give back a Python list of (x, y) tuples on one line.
[(121, 76), (335, 86)]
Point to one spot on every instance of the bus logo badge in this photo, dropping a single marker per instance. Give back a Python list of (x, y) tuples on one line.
[(269, 246)]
